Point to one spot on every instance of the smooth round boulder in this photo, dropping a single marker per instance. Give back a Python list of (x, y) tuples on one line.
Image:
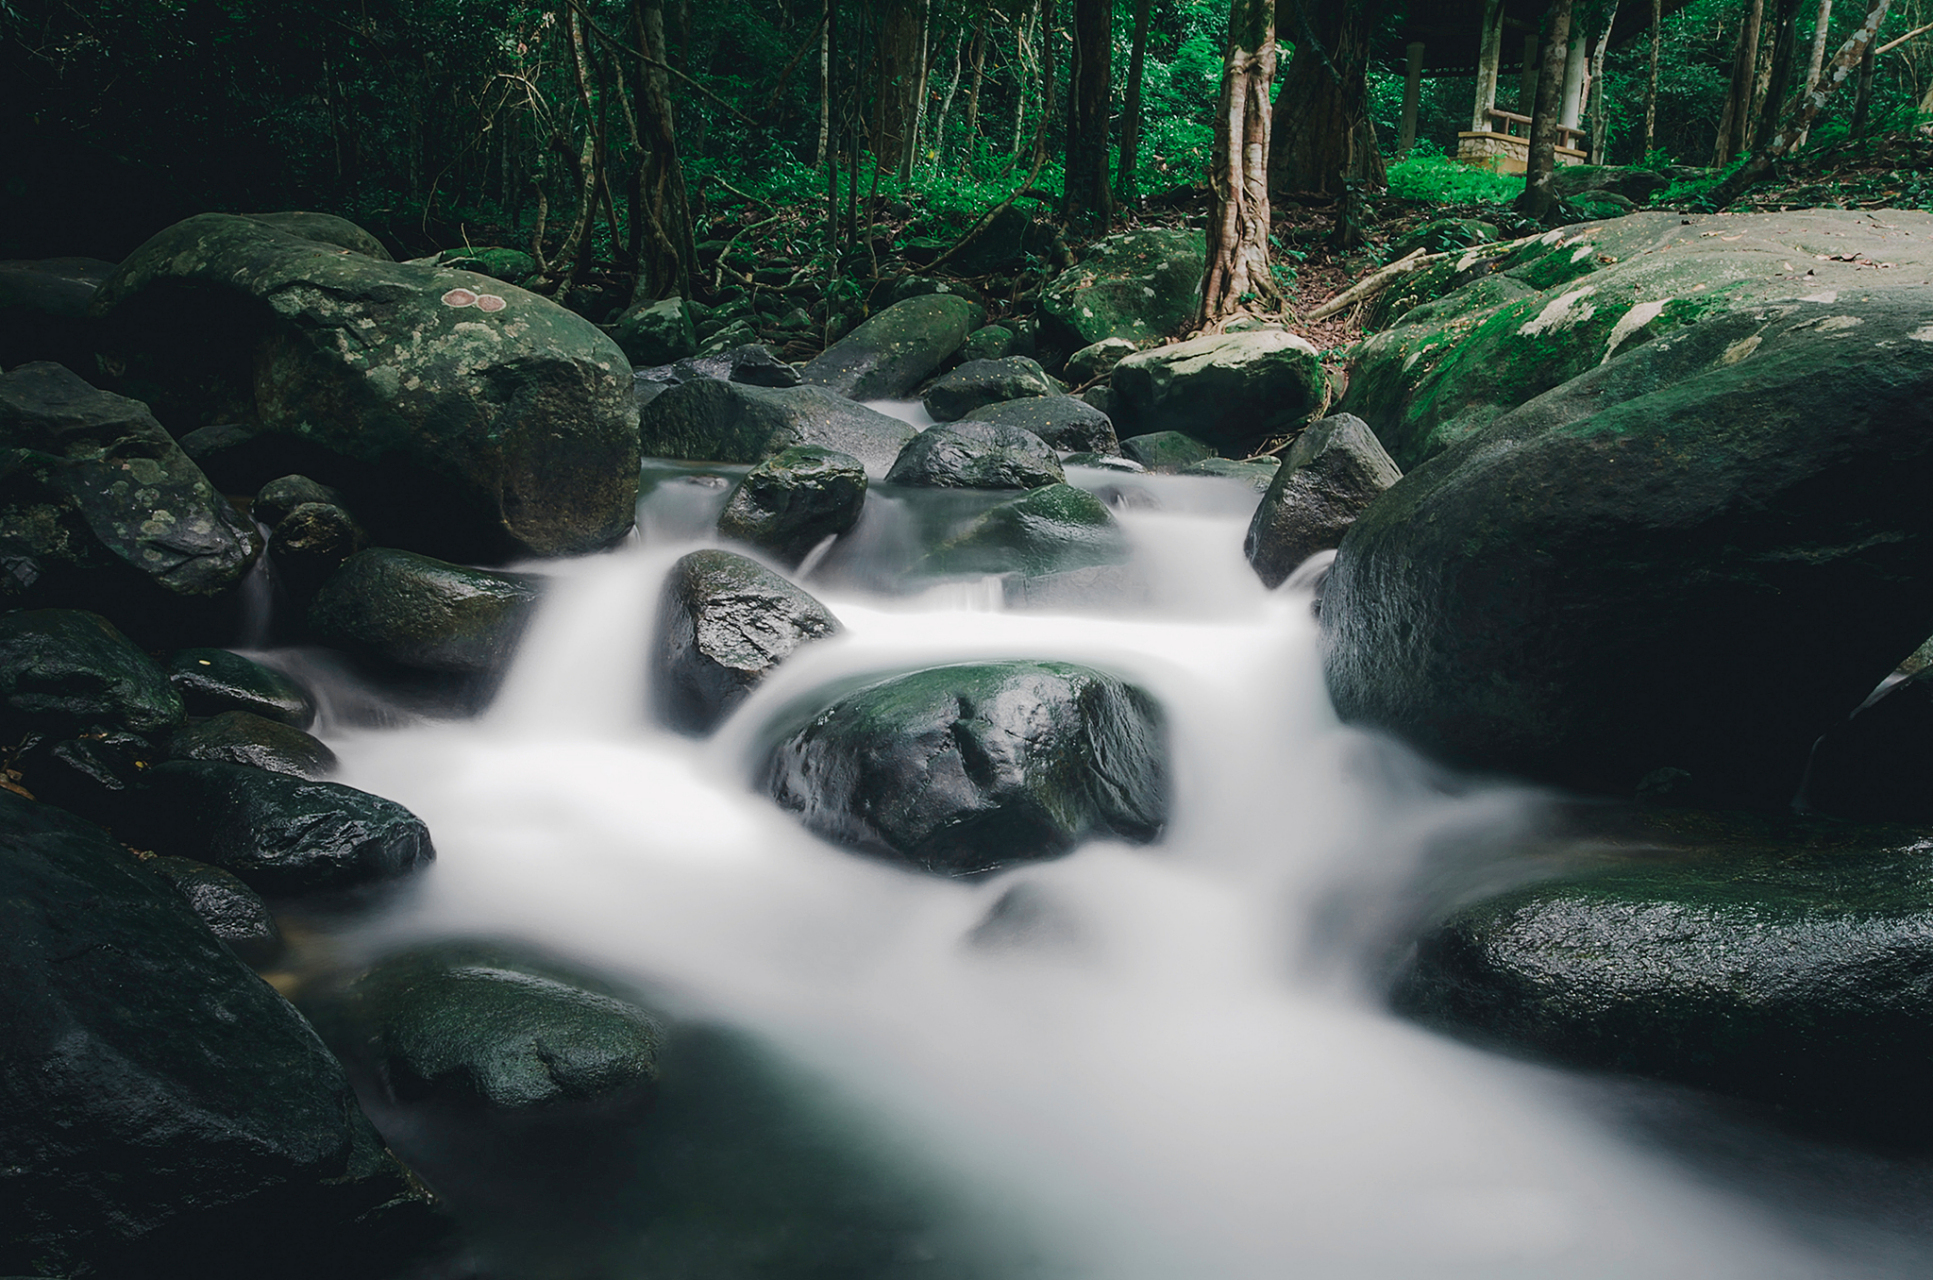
[(1048, 530), (994, 342), (311, 542), (724, 624), (400, 608), (795, 500), (211, 681), (232, 911), (274, 500), (954, 395), (62, 670), (240, 737), (1166, 450), (1230, 390), (897, 349), (965, 769), (1333, 471), (707, 420), (1064, 422), (976, 455), (1097, 360)]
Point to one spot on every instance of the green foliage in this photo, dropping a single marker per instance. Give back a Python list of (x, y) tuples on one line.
[(1445, 181)]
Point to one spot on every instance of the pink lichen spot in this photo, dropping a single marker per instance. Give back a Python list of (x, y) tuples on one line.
[(490, 302), (459, 298)]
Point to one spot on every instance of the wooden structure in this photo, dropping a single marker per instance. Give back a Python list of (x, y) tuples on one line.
[(1503, 148)]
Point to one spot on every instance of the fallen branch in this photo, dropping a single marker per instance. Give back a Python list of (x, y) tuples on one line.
[(1374, 283)]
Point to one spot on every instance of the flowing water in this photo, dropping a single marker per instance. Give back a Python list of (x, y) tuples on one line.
[(1148, 1063)]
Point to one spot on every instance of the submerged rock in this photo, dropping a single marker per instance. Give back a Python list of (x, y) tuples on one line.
[(1332, 473), (401, 608), (1062, 421), (232, 911), (1230, 390), (240, 737), (1257, 473), (897, 349), (63, 670), (794, 500), (712, 421), (969, 768), (1048, 530), (724, 624), (158, 1101), (211, 681), (983, 382), (1139, 285), (976, 455)]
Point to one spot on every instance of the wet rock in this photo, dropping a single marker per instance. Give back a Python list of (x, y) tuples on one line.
[(897, 349), (712, 421), (735, 336), (483, 1026), (43, 310), (311, 543), (411, 611), (1257, 473), (100, 509), (1166, 450), (1048, 530), (1098, 359), (1877, 766), (232, 911), (968, 768), (324, 228), (211, 681), (1773, 959), (752, 364), (653, 333), (1105, 461), (158, 1101), (1628, 182), (1062, 421), (1230, 390), (95, 772), (994, 342), (955, 395), (276, 499), (466, 417), (1332, 473), (724, 624), (240, 737), (62, 670), (794, 500), (976, 455), (1595, 584), (280, 835), (1139, 285)]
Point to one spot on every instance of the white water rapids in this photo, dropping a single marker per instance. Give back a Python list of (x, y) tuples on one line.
[(1188, 1074)]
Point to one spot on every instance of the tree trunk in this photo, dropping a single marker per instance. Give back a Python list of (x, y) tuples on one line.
[(946, 99), (666, 267), (1322, 133), (1862, 100), (825, 84), (1540, 177), (1085, 196), (1238, 220), (1732, 134), (1126, 186), (1022, 69), (1785, 49), (1815, 67), (1651, 90), (910, 156), (900, 55), (1049, 57), (1599, 113), (972, 129)]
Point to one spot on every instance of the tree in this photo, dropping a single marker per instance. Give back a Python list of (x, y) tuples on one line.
[(1124, 175), (1238, 219), (1540, 175), (1085, 199), (659, 200), (1322, 130), (901, 49), (1733, 128)]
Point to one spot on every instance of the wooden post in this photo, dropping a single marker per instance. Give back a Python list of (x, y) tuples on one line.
[(1489, 53), (1412, 95)]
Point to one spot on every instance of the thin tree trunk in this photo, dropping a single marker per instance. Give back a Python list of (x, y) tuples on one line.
[(972, 129), (825, 85), (910, 156), (1022, 69), (1540, 175), (1818, 60), (666, 269), (946, 100), (1762, 80), (1049, 59), (1126, 185), (1238, 221), (1651, 89), (1085, 194), (1785, 49), (1799, 116), (1600, 114), (1732, 134)]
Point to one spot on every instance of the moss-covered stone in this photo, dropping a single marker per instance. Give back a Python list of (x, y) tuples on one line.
[(990, 342), (897, 349), (653, 333), (1332, 473), (1049, 530), (274, 500), (1230, 390), (1139, 285), (211, 681), (1258, 473), (794, 500), (957, 394), (976, 455), (1064, 422), (410, 610), (1166, 450)]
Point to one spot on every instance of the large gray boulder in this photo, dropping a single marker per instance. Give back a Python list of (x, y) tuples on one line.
[(708, 420), (976, 455), (1139, 285), (1064, 422), (1332, 472), (956, 394), (396, 607), (794, 500), (1602, 582), (898, 349), (464, 417), (1232, 390)]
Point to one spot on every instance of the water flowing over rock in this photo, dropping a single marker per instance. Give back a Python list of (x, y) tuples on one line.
[(401, 608), (475, 419), (982, 382), (976, 455), (1229, 390), (1062, 421), (965, 769), (712, 421), (1048, 530), (724, 624), (1332, 473), (794, 500), (897, 349), (1139, 285), (158, 1101), (1599, 583)]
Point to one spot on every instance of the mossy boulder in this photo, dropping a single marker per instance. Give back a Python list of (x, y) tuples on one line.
[(1097, 360), (1231, 390), (653, 333), (101, 509), (64, 670), (707, 420), (241, 737), (402, 609), (1443, 236), (992, 342), (310, 544), (1332, 473), (1629, 182), (158, 1101), (464, 417), (43, 310), (1166, 450), (898, 349), (1599, 583), (1257, 473), (795, 500), (976, 455), (1048, 530), (1139, 285), (965, 769), (955, 395), (211, 681), (324, 228), (1062, 421), (274, 500)]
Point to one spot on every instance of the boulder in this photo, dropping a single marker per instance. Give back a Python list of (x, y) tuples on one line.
[(1773, 959), (274, 500), (724, 624), (794, 500), (1104, 462), (976, 455), (1258, 473), (1166, 450), (994, 342), (658, 332), (240, 737), (280, 835), (752, 364), (466, 417), (406, 610), (323, 228), (954, 395), (1139, 285), (1332, 473), (1062, 421), (727, 338), (1097, 360), (211, 681), (43, 310), (311, 543), (1048, 530), (897, 349), (232, 911), (482, 1026), (95, 772), (1232, 390), (712, 421), (1877, 766), (158, 1101), (513, 265), (1004, 241), (63, 670), (1630, 183), (1444, 235), (966, 769), (1599, 583), (101, 509)]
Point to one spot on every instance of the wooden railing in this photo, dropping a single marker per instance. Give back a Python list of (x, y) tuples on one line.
[(1568, 136)]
